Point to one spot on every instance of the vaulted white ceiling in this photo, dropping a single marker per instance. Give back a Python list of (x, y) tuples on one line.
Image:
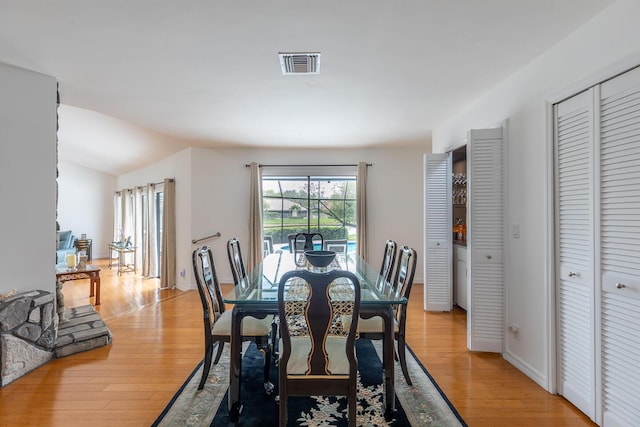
[(206, 73)]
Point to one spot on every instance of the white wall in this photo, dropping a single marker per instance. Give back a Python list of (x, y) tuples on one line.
[(215, 197), (85, 205), (603, 46), (27, 180)]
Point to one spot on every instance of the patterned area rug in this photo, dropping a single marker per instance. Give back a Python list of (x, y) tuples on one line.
[(422, 404)]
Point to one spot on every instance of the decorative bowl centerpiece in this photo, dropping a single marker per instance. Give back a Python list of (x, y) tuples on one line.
[(320, 258)]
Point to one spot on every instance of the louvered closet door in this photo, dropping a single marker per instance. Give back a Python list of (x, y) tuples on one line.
[(485, 172), (620, 249), (575, 251), (438, 292)]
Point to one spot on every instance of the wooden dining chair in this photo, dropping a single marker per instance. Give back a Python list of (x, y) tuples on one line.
[(217, 320), (339, 246), (317, 354), (306, 242), (373, 328), (234, 253), (388, 260), (309, 240)]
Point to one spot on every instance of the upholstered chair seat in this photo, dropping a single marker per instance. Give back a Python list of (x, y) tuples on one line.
[(250, 325), (338, 364), (375, 324)]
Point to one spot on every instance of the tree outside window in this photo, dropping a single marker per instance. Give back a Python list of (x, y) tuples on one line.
[(308, 204)]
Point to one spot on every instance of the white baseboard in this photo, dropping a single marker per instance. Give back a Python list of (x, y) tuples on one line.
[(526, 369)]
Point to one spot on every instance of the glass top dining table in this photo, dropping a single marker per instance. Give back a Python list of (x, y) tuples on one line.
[(261, 285), (257, 296)]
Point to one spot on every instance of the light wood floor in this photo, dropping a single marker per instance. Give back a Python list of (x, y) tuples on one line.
[(157, 342)]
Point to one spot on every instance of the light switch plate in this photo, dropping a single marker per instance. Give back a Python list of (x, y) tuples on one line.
[(515, 230)]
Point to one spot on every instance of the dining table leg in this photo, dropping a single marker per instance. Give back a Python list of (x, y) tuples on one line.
[(235, 364), (388, 355), (388, 364)]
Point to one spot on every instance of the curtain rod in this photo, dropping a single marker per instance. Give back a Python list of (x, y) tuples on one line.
[(158, 183), (304, 166), (143, 186)]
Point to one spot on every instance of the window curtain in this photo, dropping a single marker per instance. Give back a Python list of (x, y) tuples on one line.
[(124, 218), (127, 214), (150, 252), (168, 244), (255, 218), (117, 216), (362, 210), (138, 192)]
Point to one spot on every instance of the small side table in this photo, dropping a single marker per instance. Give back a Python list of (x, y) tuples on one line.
[(122, 251), (91, 272)]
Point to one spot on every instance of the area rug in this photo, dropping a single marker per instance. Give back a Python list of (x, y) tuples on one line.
[(422, 404)]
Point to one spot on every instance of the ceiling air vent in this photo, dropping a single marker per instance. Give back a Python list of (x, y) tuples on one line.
[(300, 63)]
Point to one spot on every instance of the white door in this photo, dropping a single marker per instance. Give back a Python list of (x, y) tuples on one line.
[(485, 240), (437, 233), (619, 161), (575, 293)]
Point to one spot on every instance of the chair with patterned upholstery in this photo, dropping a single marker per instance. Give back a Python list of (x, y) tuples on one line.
[(317, 351), (217, 320), (373, 328)]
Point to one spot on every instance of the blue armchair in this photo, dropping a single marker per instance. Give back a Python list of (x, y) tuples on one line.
[(65, 246)]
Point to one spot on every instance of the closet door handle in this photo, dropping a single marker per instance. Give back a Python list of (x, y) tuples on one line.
[(620, 286), (572, 274), (489, 257)]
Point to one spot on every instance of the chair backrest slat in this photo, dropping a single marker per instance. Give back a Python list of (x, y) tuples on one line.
[(235, 261), (388, 260), (403, 280)]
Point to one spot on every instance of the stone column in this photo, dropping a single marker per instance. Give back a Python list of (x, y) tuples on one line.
[(59, 302)]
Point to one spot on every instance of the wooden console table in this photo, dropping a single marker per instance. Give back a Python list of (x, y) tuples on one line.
[(90, 272), (122, 251)]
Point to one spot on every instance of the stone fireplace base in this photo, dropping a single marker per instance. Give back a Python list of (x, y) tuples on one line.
[(82, 330), (31, 334), (28, 331)]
